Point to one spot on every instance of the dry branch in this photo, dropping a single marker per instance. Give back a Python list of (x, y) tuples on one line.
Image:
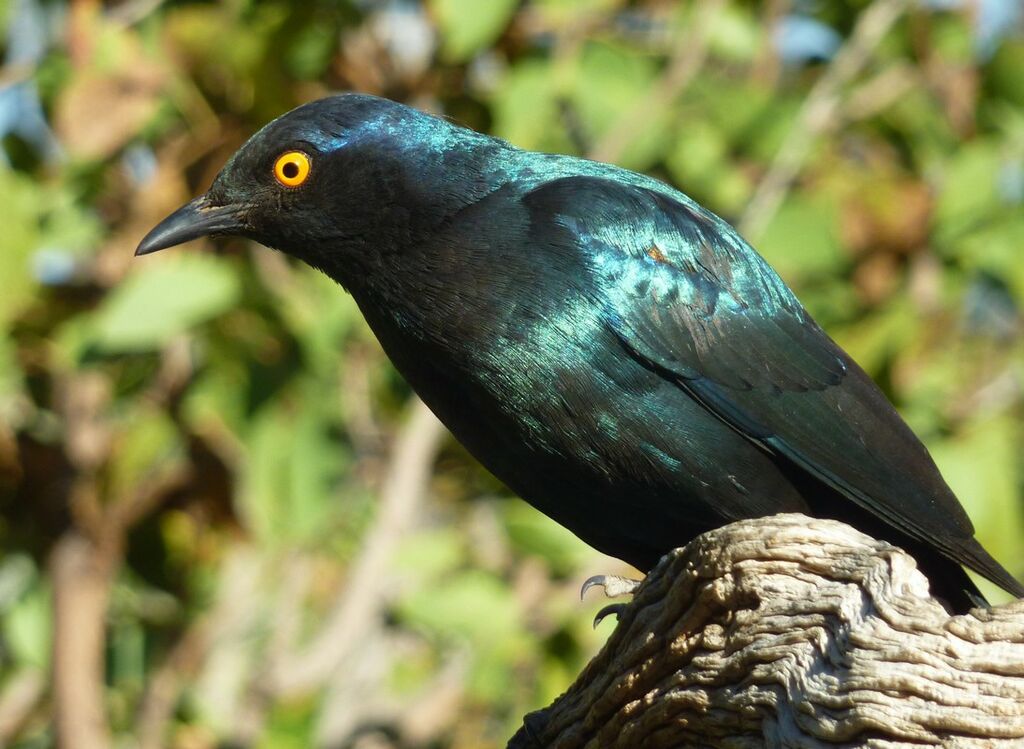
[(362, 600), (787, 631)]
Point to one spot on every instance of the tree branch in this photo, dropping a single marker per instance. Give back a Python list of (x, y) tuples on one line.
[(82, 572), (788, 631), (361, 602)]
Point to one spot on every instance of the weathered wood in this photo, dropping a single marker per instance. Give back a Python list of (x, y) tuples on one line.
[(792, 632)]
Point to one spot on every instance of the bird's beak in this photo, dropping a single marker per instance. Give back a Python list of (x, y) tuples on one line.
[(197, 218)]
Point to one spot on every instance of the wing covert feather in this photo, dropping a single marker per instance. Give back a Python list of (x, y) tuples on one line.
[(688, 297)]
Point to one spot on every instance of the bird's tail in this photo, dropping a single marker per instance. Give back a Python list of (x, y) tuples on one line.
[(950, 584), (973, 555)]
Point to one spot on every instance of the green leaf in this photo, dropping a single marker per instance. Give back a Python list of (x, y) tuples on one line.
[(1005, 71), (699, 164), (309, 52), (321, 314), (996, 248), (474, 605), (479, 610), (924, 126), (290, 725), (19, 215), (126, 653), (534, 533), (563, 13), (316, 462), (6, 7), (466, 26), (802, 239), (755, 119), (148, 444), (11, 379), (610, 84), (215, 38), (969, 189), (17, 574), (431, 553), (873, 340), (28, 627), (952, 39), (736, 34), (164, 299), (287, 491), (526, 110), (34, 216), (981, 466), (698, 152), (218, 400)]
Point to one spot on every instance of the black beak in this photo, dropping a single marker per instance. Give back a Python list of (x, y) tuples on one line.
[(193, 220)]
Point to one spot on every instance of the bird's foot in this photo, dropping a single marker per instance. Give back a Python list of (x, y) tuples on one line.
[(614, 587), (609, 610)]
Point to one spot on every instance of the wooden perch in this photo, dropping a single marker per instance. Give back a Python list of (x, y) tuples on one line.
[(792, 632)]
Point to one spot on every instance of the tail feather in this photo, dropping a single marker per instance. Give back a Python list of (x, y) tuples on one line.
[(973, 555), (948, 582)]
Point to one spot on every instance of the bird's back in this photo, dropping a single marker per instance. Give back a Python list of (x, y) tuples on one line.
[(627, 363)]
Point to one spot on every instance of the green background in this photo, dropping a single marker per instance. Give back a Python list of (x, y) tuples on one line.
[(198, 450)]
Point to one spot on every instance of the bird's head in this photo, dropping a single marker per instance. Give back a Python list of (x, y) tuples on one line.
[(332, 182)]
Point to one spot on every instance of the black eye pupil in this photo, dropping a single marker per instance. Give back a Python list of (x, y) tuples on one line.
[(290, 170)]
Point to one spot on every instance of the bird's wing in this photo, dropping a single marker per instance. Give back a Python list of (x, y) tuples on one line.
[(690, 299)]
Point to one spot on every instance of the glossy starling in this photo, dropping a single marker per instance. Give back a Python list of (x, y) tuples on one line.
[(615, 353)]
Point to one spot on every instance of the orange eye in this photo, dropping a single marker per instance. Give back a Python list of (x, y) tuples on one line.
[(292, 168)]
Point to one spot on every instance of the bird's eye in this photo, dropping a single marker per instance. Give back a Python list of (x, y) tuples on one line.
[(292, 168)]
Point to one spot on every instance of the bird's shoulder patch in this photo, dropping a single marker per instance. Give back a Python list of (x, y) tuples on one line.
[(683, 288), (654, 253)]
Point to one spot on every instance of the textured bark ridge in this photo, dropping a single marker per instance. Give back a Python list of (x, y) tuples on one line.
[(792, 632)]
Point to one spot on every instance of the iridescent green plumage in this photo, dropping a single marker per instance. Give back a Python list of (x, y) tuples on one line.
[(615, 353)]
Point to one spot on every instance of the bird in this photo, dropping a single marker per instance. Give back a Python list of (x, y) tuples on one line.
[(615, 353)]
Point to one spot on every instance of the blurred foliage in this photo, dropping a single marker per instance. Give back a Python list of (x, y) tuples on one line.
[(218, 421)]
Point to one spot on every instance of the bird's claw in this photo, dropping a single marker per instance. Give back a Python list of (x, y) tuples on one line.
[(613, 585), (611, 608)]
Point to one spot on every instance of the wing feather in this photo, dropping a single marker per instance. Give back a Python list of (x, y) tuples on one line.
[(688, 297)]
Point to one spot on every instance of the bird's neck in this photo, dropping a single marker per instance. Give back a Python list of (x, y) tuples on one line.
[(411, 197)]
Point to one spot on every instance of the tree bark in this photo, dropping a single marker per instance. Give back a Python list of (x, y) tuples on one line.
[(792, 632), (82, 574)]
